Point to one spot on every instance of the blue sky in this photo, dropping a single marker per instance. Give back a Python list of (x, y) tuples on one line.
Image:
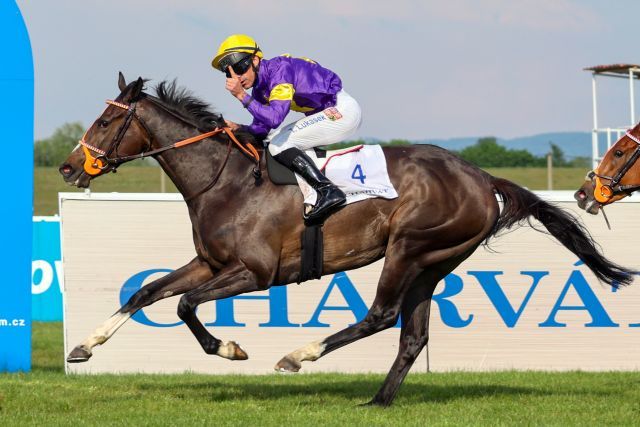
[(420, 69)]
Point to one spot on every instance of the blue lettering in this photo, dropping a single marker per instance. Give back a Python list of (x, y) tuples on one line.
[(448, 312), (278, 309), (355, 304), (309, 122), (132, 286), (487, 280), (599, 316), (450, 315), (631, 325)]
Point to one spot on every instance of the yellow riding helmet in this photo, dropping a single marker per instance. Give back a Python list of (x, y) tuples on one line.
[(236, 43)]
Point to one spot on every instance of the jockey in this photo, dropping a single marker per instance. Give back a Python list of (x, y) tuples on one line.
[(279, 85)]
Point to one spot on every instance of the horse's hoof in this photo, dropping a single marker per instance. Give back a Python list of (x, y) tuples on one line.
[(232, 351), (79, 354), (287, 364), (375, 402)]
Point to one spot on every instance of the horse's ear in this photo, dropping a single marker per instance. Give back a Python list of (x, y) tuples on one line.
[(136, 90), (122, 84)]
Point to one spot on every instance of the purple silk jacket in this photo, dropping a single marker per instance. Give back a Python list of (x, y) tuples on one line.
[(285, 83)]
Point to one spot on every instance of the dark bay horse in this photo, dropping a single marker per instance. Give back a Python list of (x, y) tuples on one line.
[(616, 177), (246, 231)]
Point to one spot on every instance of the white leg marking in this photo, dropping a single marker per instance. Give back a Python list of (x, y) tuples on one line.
[(226, 350), (231, 350), (106, 330), (310, 352)]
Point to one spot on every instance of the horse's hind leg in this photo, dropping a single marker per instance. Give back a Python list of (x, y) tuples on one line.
[(413, 338), (396, 277), (175, 283)]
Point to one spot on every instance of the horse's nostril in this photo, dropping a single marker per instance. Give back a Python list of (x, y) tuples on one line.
[(582, 195), (66, 169)]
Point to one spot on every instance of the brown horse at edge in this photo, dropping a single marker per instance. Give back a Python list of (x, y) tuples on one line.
[(616, 177)]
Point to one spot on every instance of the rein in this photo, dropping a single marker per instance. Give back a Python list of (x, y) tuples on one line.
[(95, 165), (603, 193)]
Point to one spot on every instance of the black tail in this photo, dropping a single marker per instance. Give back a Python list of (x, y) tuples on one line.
[(520, 204)]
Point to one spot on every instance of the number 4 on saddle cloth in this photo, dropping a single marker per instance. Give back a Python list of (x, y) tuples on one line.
[(359, 171)]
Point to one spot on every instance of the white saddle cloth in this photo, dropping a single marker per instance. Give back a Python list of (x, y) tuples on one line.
[(360, 171)]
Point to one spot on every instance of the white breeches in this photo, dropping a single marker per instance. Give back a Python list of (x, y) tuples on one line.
[(335, 124)]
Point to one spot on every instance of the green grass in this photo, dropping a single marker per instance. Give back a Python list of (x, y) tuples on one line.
[(141, 179), (536, 178), (47, 397)]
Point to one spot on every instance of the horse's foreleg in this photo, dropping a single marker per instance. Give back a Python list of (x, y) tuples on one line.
[(383, 314), (175, 283), (233, 280), (414, 336)]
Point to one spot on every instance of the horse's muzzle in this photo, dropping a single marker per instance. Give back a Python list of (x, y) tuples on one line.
[(74, 176), (587, 203), (65, 170)]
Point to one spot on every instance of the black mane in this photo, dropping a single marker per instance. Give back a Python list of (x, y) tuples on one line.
[(182, 102)]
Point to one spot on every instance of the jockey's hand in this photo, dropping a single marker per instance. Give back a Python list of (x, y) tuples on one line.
[(234, 85), (232, 125)]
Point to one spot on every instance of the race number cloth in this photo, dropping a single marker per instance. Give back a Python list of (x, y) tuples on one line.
[(360, 171)]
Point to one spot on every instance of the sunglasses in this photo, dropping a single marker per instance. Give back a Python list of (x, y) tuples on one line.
[(239, 67)]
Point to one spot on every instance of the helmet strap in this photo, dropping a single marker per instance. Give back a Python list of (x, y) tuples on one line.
[(255, 70)]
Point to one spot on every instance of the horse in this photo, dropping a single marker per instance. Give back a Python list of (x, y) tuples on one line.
[(246, 230), (616, 177)]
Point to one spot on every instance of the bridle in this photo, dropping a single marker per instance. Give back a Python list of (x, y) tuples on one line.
[(603, 193), (104, 162), (99, 164)]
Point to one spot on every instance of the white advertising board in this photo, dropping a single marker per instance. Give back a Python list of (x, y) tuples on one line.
[(527, 304)]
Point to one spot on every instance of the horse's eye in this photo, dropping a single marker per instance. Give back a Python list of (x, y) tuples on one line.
[(103, 123), (618, 153)]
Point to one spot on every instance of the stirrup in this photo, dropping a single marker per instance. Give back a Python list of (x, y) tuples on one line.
[(318, 215)]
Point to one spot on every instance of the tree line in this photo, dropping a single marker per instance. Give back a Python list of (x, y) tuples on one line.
[(485, 153), (54, 150)]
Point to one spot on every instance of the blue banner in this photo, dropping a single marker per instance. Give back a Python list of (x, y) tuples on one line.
[(16, 210), (46, 270)]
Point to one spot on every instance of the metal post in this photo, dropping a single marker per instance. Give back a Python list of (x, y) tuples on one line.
[(594, 135), (426, 349), (163, 185), (549, 172), (631, 98)]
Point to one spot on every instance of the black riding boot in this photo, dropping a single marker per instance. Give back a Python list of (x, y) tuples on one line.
[(329, 196)]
